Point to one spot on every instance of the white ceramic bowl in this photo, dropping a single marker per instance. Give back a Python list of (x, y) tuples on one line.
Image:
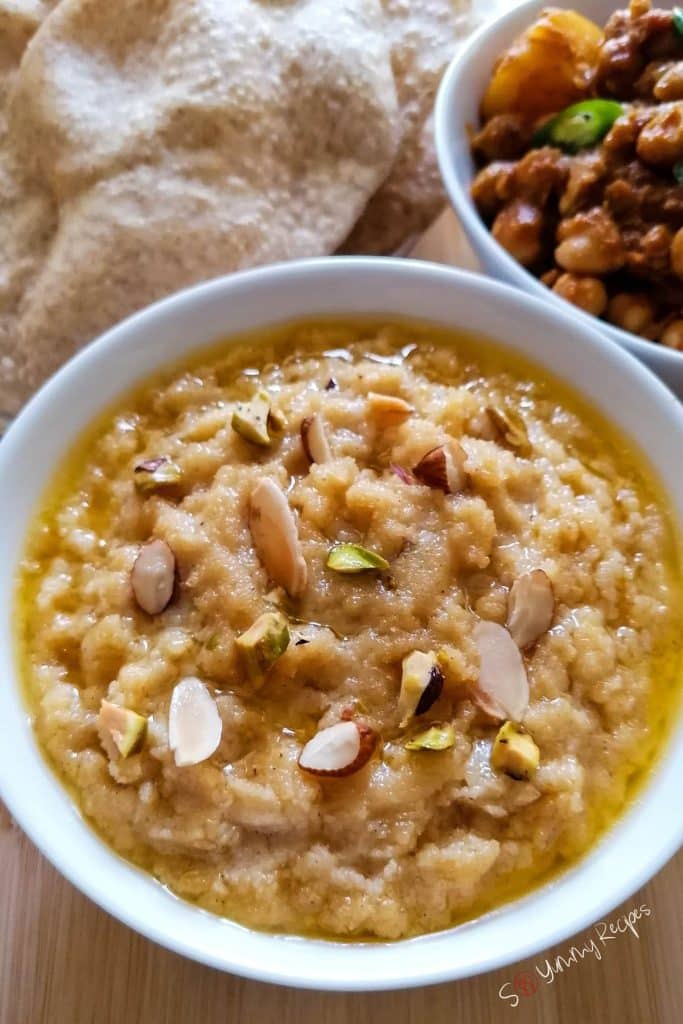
[(457, 107), (617, 384)]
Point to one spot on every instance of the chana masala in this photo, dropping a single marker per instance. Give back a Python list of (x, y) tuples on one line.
[(581, 163), (354, 630)]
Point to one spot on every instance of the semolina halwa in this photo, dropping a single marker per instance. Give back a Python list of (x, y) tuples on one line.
[(357, 631)]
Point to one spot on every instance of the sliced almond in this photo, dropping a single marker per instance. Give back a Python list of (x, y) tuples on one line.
[(194, 725), (503, 688), (276, 539), (531, 606), (153, 576), (341, 749), (314, 439), (388, 409), (443, 468)]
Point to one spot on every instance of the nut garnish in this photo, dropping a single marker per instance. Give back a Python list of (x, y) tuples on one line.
[(153, 576), (503, 688), (121, 730), (276, 539), (314, 439), (155, 474), (253, 420), (341, 749), (351, 558), (514, 752), (531, 606), (264, 642), (389, 409), (403, 474), (510, 427), (421, 684), (194, 725), (443, 468), (437, 737)]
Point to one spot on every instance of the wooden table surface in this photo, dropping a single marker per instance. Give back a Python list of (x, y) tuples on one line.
[(64, 961)]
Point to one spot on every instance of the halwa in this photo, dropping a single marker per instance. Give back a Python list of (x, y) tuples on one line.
[(353, 629)]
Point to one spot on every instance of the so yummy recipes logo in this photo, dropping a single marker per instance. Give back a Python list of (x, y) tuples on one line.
[(527, 983)]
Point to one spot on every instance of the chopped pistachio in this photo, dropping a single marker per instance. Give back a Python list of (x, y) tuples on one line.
[(510, 427), (264, 642), (252, 419), (155, 474), (421, 684), (437, 737), (404, 475), (514, 752), (121, 729), (349, 558)]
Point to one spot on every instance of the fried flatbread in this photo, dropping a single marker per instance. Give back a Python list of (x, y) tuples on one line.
[(155, 143)]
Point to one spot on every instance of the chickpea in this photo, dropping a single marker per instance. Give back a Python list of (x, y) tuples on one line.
[(518, 227), (490, 187), (634, 313), (661, 140), (669, 85), (588, 293), (672, 335), (590, 243), (676, 253)]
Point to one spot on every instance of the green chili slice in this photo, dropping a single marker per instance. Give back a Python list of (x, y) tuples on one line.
[(678, 172), (579, 126), (677, 15)]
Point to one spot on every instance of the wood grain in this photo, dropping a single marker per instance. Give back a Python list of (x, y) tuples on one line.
[(64, 961)]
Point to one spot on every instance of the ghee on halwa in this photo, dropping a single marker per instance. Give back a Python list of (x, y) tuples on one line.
[(433, 828)]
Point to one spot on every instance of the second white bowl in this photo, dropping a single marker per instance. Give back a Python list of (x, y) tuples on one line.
[(457, 109)]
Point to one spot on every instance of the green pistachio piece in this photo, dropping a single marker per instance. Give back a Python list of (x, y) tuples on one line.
[(438, 737), (514, 752), (510, 427), (155, 474), (354, 558), (264, 642), (251, 420), (121, 729), (421, 684)]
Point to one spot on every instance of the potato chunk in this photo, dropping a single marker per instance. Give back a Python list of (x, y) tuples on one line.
[(546, 68)]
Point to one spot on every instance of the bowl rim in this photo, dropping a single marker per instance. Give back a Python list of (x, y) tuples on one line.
[(449, 124), (93, 867)]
